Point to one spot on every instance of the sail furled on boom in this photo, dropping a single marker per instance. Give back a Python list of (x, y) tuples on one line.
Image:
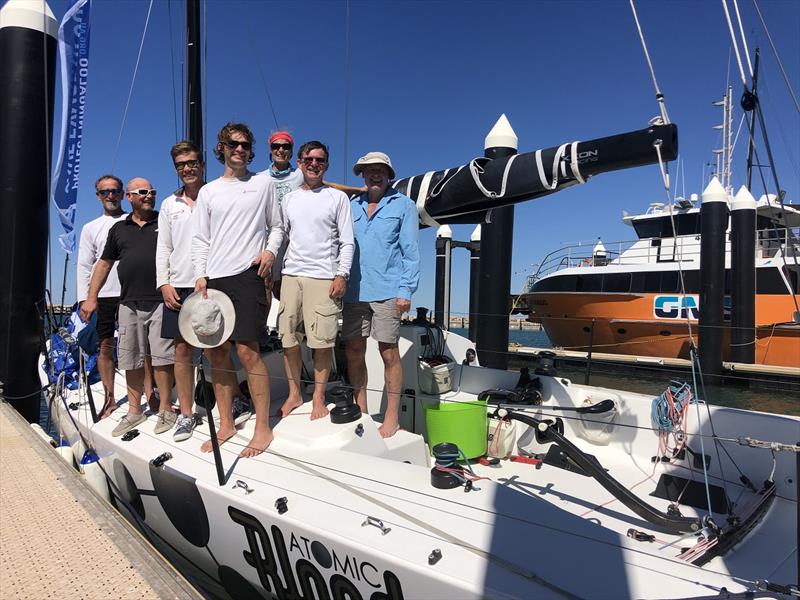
[(73, 48), (464, 194)]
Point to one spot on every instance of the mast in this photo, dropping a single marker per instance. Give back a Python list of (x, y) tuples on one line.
[(27, 78), (194, 77)]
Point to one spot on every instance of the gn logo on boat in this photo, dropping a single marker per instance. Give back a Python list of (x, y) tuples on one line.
[(676, 307), (304, 580)]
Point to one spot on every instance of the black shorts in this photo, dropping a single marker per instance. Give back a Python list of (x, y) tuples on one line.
[(107, 317), (169, 320), (248, 293)]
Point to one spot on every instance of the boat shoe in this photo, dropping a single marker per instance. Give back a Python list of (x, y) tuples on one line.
[(184, 427), (241, 411), (127, 423), (166, 421)]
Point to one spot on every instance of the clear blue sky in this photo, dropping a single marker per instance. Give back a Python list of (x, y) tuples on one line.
[(427, 80)]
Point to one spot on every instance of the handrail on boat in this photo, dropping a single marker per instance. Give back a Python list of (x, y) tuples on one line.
[(770, 242)]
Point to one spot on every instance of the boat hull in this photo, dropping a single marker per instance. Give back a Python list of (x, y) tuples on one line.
[(337, 511), (629, 324)]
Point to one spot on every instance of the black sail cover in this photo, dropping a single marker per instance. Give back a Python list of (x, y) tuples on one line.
[(464, 194)]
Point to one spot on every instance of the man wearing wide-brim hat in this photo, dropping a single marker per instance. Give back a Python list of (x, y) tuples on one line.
[(384, 276)]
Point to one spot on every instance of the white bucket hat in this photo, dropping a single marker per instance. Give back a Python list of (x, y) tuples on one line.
[(206, 322), (373, 158)]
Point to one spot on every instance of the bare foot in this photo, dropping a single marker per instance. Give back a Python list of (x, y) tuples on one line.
[(318, 410), (223, 435), (109, 407), (290, 405), (258, 444), (388, 429)]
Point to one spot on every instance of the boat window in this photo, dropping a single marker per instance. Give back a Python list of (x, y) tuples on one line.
[(691, 281), (590, 283), (559, 283), (652, 281), (769, 281), (617, 282), (669, 281), (637, 282), (685, 224), (647, 228)]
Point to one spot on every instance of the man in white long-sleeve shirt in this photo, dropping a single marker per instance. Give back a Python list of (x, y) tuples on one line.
[(238, 233), (108, 189), (175, 273), (315, 272)]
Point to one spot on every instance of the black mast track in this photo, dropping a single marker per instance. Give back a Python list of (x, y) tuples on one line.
[(194, 78)]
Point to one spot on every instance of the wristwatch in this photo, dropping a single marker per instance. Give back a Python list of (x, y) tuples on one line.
[(345, 276)]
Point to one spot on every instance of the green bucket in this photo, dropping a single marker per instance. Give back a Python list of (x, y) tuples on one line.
[(461, 423)]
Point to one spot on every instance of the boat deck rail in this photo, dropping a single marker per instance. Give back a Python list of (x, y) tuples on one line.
[(770, 243)]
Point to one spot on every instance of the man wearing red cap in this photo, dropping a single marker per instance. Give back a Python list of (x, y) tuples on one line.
[(285, 179)]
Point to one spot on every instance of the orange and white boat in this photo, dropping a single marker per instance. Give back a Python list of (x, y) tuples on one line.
[(627, 296)]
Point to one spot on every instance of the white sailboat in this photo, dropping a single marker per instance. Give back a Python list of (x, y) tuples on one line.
[(334, 510), (587, 492)]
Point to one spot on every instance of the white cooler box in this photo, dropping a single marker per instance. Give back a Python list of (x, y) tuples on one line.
[(437, 379)]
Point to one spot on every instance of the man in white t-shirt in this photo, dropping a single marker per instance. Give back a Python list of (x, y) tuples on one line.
[(108, 189), (238, 232), (315, 272), (285, 179), (175, 274)]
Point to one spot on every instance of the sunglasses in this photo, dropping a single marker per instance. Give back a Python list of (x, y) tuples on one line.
[(310, 160), (277, 146), (105, 193), (182, 164), (143, 192), (232, 144)]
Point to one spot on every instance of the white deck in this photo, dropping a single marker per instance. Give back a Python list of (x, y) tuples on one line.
[(526, 532)]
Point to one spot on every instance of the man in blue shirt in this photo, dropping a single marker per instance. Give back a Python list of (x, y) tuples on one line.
[(384, 276)]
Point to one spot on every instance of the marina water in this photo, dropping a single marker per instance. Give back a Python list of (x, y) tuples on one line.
[(762, 395)]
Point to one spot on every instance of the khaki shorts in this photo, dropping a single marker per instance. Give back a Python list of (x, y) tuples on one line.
[(140, 336), (307, 310), (379, 319)]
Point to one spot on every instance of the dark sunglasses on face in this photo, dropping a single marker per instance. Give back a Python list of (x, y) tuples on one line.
[(143, 192), (310, 160), (277, 146), (232, 144), (105, 193), (182, 164)]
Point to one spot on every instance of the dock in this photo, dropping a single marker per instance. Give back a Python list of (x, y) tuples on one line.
[(515, 323), (789, 375), (58, 539)]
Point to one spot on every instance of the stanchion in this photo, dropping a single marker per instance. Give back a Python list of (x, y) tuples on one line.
[(211, 428)]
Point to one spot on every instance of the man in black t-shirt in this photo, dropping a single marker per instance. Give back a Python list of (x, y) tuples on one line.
[(132, 242)]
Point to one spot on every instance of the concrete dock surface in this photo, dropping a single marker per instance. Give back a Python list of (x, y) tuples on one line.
[(58, 539)]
